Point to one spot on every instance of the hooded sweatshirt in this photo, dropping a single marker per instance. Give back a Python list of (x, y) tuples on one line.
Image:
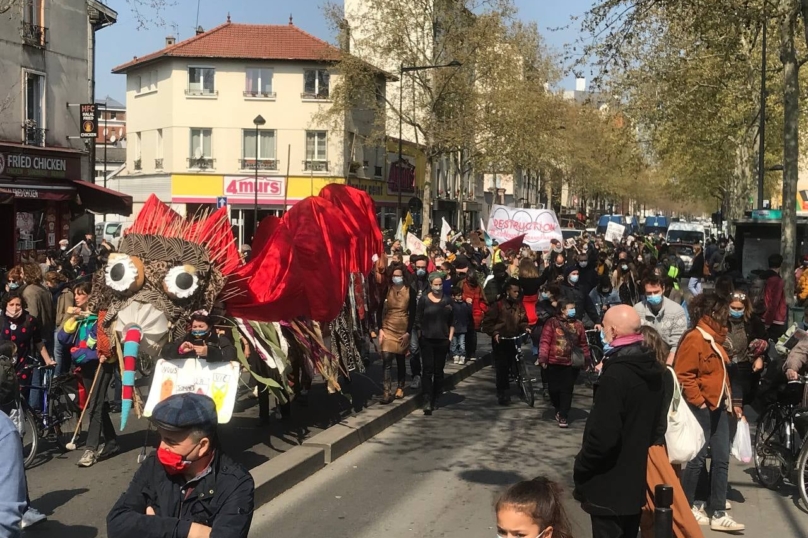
[(610, 469)]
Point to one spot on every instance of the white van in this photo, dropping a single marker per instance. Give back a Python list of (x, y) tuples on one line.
[(111, 231), (685, 232)]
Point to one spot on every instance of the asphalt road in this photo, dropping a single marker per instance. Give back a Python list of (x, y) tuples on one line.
[(438, 476)]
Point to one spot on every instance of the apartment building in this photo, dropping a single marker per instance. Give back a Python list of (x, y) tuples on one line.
[(241, 106), (46, 73)]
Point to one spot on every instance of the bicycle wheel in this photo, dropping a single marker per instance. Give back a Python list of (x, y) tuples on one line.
[(770, 466), (63, 416), (525, 385), (802, 474), (30, 436)]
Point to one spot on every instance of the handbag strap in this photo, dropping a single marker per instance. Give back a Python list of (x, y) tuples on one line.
[(677, 390)]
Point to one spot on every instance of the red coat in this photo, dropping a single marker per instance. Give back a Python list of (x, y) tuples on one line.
[(555, 347), (477, 302), (529, 301), (775, 299)]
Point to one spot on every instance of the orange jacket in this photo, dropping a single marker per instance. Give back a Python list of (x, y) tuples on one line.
[(475, 293), (802, 286), (702, 368)]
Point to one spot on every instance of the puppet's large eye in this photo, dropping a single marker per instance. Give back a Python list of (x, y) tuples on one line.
[(181, 282), (124, 273)]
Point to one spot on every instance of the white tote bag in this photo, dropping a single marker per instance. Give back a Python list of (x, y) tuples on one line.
[(684, 436)]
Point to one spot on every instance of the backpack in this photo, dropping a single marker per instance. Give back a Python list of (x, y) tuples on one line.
[(9, 385)]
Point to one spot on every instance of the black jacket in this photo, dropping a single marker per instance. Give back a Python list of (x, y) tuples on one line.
[(220, 348), (583, 303), (609, 471), (587, 277), (221, 499)]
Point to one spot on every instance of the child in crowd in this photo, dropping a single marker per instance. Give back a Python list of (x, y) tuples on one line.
[(532, 508), (463, 323)]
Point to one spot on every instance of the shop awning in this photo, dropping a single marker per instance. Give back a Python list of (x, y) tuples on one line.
[(103, 200)]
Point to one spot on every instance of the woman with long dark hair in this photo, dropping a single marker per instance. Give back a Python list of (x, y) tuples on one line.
[(398, 317)]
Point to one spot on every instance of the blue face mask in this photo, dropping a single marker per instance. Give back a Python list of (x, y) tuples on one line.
[(654, 299), (13, 285), (198, 332), (606, 345), (573, 279), (398, 280), (545, 295), (736, 314), (571, 313), (420, 272)]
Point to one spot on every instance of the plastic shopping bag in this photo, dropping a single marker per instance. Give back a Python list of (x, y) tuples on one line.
[(742, 444)]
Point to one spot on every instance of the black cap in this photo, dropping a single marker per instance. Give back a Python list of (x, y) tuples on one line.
[(185, 412)]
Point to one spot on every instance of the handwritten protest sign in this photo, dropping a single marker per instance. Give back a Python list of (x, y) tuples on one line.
[(415, 245), (539, 226), (614, 232), (219, 380)]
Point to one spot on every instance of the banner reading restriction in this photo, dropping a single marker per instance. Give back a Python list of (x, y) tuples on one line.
[(540, 226)]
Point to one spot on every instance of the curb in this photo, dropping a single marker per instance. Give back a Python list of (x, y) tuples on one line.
[(297, 464)]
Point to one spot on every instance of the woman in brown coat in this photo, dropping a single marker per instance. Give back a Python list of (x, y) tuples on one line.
[(394, 335), (701, 366)]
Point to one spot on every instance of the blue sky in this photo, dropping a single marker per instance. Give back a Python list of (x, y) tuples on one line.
[(118, 44)]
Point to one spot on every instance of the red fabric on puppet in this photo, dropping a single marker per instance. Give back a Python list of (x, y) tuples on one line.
[(360, 211)]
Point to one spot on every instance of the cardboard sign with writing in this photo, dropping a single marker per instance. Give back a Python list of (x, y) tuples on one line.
[(539, 226), (219, 380), (614, 232)]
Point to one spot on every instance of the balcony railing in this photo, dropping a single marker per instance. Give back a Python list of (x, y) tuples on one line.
[(201, 163), (263, 164), (138, 164), (34, 136), (158, 164), (260, 95), (33, 35), (315, 166), (197, 92)]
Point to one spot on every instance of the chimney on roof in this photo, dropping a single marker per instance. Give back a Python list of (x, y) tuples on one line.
[(200, 30), (170, 40), (228, 17), (345, 36), (290, 20)]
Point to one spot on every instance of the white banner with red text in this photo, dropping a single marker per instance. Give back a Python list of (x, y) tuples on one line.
[(540, 226)]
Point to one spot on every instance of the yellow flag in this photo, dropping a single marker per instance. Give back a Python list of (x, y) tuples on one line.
[(407, 223)]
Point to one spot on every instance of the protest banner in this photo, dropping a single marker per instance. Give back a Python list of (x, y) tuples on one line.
[(415, 245), (219, 380), (539, 226), (614, 232), (445, 230)]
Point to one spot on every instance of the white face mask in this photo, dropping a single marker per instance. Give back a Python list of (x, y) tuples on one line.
[(542, 533)]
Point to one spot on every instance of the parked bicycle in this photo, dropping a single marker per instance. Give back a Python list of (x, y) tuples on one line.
[(59, 414), (519, 371), (780, 449)]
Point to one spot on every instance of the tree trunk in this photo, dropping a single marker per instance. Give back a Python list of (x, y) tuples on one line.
[(426, 211), (791, 115)]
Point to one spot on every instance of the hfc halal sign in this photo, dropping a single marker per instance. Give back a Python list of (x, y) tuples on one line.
[(89, 121)]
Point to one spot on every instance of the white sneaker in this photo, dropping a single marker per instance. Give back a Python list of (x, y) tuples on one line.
[(31, 517), (455, 360), (701, 516), (725, 523), (727, 506), (461, 360), (416, 382), (472, 359)]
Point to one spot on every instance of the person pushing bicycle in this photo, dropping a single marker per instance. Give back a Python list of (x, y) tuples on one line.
[(506, 318)]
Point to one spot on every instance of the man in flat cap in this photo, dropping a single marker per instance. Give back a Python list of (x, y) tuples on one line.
[(188, 488)]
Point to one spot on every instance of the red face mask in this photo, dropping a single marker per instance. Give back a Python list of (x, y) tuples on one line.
[(172, 462)]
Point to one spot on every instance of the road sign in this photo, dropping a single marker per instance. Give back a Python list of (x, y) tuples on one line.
[(221, 201), (89, 121)]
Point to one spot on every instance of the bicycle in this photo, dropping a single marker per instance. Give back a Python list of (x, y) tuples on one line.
[(61, 410), (596, 352), (777, 440), (519, 367)]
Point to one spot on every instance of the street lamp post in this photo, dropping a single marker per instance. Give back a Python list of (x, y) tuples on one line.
[(407, 69), (258, 122), (762, 127)]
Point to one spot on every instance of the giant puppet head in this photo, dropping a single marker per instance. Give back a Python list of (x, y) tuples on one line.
[(166, 268)]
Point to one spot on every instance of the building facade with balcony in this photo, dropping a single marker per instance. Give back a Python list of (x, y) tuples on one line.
[(194, 134), (46, 72)]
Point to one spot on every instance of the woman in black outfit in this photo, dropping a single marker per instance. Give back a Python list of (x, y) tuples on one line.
[(433, 323)]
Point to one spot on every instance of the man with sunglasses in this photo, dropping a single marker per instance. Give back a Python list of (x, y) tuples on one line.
[(188, 488)]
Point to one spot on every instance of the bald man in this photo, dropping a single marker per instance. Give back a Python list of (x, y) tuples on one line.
[(610, 469)]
